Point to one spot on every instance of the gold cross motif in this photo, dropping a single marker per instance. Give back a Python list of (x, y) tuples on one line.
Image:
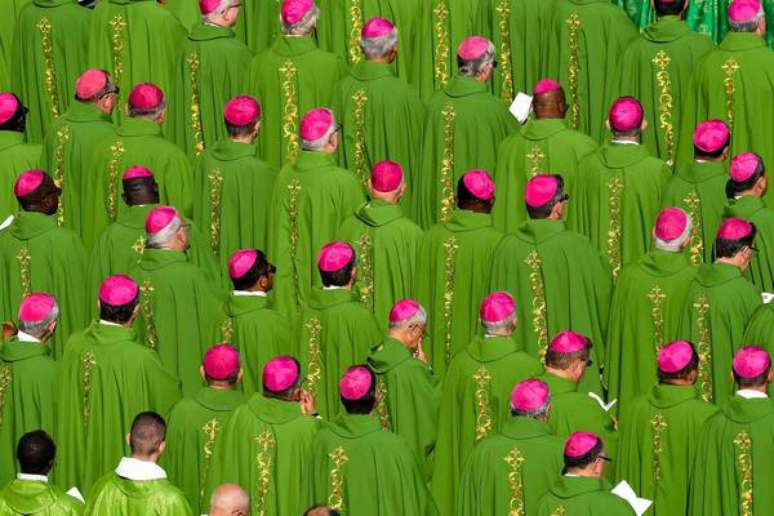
[(535, 157), (662, 59), (139, 245)]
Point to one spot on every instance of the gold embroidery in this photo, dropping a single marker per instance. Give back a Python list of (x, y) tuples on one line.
[(483, 418), (615, 187), (744, 460), (294, 189), (441, 13), (696, 243), (314, 367), (44, 26), (730, 68), (196, 114), (703, 348), (264, 462), (657, 297), (450, 247), (536, 157), (227, 329), (216, 189), (658, 424), (365, 271), (336, 498), (88, 362), (504, 24), (539, 326), (559, 511), (360, 99), (117, 150), (62, 137), (139, 245), (356, 19), (146, 306), (447, 163), (289, 110), (382, 404), (118, 25), (662, 60), (573, 23), (23, 259), (211, 429), (516, 482), (5, 383)]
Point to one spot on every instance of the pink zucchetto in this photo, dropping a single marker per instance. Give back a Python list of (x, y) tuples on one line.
[(734, 228), (209, 6), (146, 96), (159, 218), (751, 361), (334, 256), (9, 104), (568, 342), (743, 166), (28, 182), (473, 47), (242, 111), (221, 361), (292, 11), (118, 290), (90, 83), (540, 190), (675, 356), (280, 374), (404, 310), (136, 172), (386, 176), (241, 262), (497, 307), (355, 383), (711, 136), (625, 114), (316, 123), (741, 11), (377, 27), (479, 183), (545, 85), (671, 223), (580, 443), (36, 307), (529, 395)]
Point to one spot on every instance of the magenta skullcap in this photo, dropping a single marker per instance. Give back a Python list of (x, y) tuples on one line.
[(90, 83), (241, 262), (209, 6), (497, 307), (221, 361), (473, 47), (743, 166), (159, 218), (734, 228), (316, 123), (386, 176), (9, 104), (355, 383), (711, 136), (529, 395), (242, 110), (292, 11), (118, 290), (146, 96), (28, 182), (404, 310), (136, 172), (540, 190), (377, 27), (675, 356), (36, 307), (478, 182), (280, 374), (670, 224), (568, 342), (580, 443), (545, 85), (751, 361), (625, 114), (741, 11), (334, 256)]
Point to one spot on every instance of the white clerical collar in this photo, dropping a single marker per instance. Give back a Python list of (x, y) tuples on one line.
[(624, 142), (7, 222), (30, 476), (108, 323), (245, 293), (751, 394), (26, 337), (334, 287), (135, 469), (571, 475)]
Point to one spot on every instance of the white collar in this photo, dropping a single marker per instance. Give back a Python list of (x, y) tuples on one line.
[(108, 323), (7, 222), (26, 337), (624, 142), (750, 394), (135, 469), (245, 293), (571, 475), (334, 287), (30, 476)]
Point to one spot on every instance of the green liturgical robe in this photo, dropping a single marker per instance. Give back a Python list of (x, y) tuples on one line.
[(585, 40), (290, 78), (659, 438), (258, 23), (645, 313), (340, 24), (194, 427), (180, 309), (38, 256), (408, 397), (16, 157), (49, 54), (464, 127), (311, 199), (357, 468), (35, 497), (28, 377), (542, 145), (719, 304), (582, 496), (754, 209), (7, 29), (452, 280), (733, 473), (117, 496), (386, 244), (760, 331), (699, 188), (186, 11), (264, 448), (336, 332), (106, 379), (511, 470), (710, 18), (209, 74), (619, 198), (474, 402)]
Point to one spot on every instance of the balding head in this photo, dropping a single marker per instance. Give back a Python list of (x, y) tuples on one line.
[(229, 500), (550, 104), (147, 436)]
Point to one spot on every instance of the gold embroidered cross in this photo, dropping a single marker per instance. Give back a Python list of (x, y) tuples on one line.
[(139, 245), (535, 157), (661, 59)]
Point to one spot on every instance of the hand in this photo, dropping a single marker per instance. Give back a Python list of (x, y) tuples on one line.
[(419, 353), (9, 330), (307, 403)]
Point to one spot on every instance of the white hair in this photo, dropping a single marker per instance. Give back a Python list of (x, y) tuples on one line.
[(322, 141), (418, 318), (540, 411), (38, 328), (381, 46), (496, 328), (303, 26), (676, 244), (222, 8), (474, 67), (746, 26), (156, 240)]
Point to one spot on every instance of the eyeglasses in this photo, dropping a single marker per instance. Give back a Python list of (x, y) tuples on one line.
[(604, 458)]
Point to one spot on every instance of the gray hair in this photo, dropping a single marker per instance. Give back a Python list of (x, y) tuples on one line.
[(157, 240), (222, 8), (475, 66), (538, 412), (381, 46), (498, 327), (418, 318), (746, 26), (38, 329), (322, 141), (677, 243), (305, 25)]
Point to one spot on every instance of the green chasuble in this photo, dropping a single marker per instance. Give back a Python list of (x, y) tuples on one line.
[(311, 199), (7, 28), (474, 402), (619, 198), (408, 396), (452, 280), (659, 438), (761, 271), (710, 18), (264, 448), (194, 427), (138, 142), (180, 309), (290, 78), (187, 11), (258, 23), (585, 40), (645, 312), (340, 24), (542, 145), (357, 468), (16, 157), (48, 56), (386, 244), (656, 69), (28, 377), (719, 304), (381, 118), (117, 496), (232, 197), (733, 471), (38, 256), (582, 496), (336, 332), (760, 331), (208, 74), (35, 497), (560, 283), (67, 146), (699, 188), (106, 379), (464, 127), (508, 472)]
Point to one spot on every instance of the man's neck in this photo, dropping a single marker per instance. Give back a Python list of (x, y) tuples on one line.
[(729, 261), (560, 373), (221, 386), (247, 139)]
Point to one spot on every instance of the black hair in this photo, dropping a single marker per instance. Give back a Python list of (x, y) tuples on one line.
[(365, 404), (542, 212), (584, 460), (755, 381), (682, 374), (729, 248), (261, 267), (733, 188), (119, 314), (667, 7), (149, 430), (236, 131), (35, 452), (330, 512), (466, 198), (18, 120), (285, 394), (340, 277), (711, 155), (230, 379)]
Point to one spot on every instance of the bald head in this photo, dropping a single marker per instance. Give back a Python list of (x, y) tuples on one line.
[(229, 500), (550, 104)]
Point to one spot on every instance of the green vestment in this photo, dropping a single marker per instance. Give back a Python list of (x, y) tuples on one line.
[(7, 29), (187, 12), (194, 427), (37, 498), (357, 468), (258, 23), (754, 209), (464, 127), (117, 496), (106, 379), (659, 438), (510, 470), (710, 18), (16, 157), (719, 304), (542, 145), (475, 399), (386, 244), (38, 256), (341, 23), (582, 496), (760, 331)]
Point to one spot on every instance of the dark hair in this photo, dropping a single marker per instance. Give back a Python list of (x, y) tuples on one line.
[(586, 459), (563, 361), (365, 404), (35, 452), (141, 190), (261, 267), (340, 277), (682, 374), (755, 381), (148, 432), (733, 188), (466, 198), (118, 314), (542, 212), (729, 248), (711, 155), (236, 131), (329, 511), (285, 394), (667, 7), (33, 200), (152, 112), (230, 379), (18, 120)]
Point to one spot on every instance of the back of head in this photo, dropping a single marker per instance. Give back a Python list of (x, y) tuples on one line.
[(668, 7), (548, 100), (299, 17), (146, 100), (357, 389), (542, 193), (745, 15), (677, 362), (149, 430), (752, 367), (475, 55), (320, 510), (317, 129), (710, 140), (336, 262), (378, 38), (36, 452), (118, 298), (229, 500), (36, 313), (281, 377), (672, 229), (531, 398), (241, 116), (734, 235), (13, 114), (94, 84), (247, 266), (626, 117), (475, 191), (140, 186), (36, 192), (744, 172), (566, 348), (582, 450)]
